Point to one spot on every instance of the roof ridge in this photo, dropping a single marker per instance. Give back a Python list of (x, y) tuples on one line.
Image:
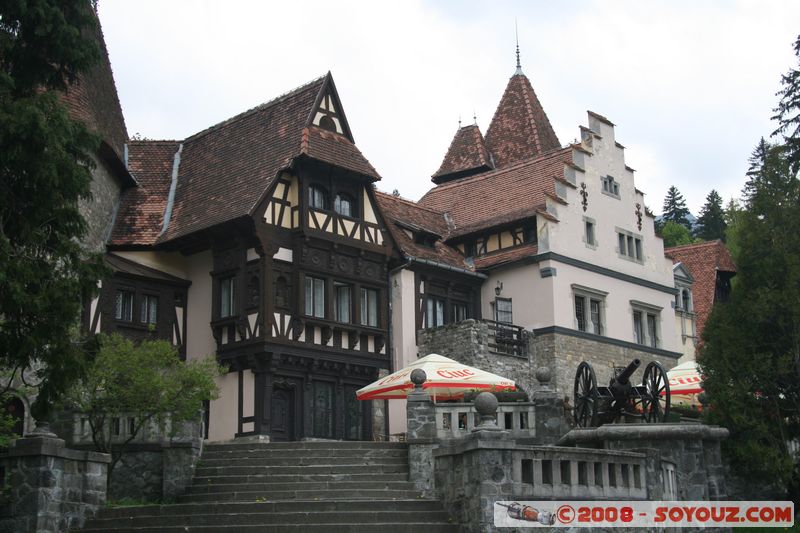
[(412, 202), (153, 141), (252, 110), (498, 171), (695, 244)]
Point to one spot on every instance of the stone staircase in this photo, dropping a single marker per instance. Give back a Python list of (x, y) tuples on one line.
[(326, 487)]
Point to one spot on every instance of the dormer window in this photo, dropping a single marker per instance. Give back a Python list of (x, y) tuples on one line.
[(317, 197), (344, 205), (610, 186)]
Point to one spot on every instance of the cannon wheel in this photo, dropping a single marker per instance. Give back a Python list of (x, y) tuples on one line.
[(655, 404), (586, 396)]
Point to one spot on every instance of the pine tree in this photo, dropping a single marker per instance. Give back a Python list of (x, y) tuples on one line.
[(787, 113), (675, 209), (45, 169), (711, 222)]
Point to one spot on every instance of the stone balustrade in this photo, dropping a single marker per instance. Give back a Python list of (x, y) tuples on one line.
[(456, 420)]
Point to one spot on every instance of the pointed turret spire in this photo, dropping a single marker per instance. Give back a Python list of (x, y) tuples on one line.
[(519, 66)]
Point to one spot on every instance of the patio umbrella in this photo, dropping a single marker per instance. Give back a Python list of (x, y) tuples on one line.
[(685, 384), (446, 380)]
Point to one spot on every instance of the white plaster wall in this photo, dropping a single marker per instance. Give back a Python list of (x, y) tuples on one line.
[(404, 339), (618, 311), (531, 295), (199, 340), (566, 237), (223, 417)]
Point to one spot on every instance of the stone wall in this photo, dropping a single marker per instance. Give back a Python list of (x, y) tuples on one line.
[(563, 353), (51, 488), (468, 343), (100, 210)]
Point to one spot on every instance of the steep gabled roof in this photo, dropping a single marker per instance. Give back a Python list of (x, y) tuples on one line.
[(520, 128), (140, 217), (93, 100), (401, 214), (499, 196), (703, 261), (223, 172), (467, 155)]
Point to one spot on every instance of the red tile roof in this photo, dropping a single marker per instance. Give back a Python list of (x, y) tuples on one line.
[(225, 170), (141, 212), (93, 100), (503, 257), (703, 261), (467, 155), (499, 196), (520, 128), (409, 214)]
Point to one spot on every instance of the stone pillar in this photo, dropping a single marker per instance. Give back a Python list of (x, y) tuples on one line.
[(551, 413), (52, 488), (421, 434)]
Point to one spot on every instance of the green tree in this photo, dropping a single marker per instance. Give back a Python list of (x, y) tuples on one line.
[(675, 209), (711, 222), (675, 234), (751, 354), (147, 383), (45, 169), (733, 214), (787, 113)]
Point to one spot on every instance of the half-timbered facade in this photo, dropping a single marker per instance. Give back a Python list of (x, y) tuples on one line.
[(269, 224)]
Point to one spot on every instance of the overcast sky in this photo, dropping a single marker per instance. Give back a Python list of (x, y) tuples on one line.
[(690, 85)]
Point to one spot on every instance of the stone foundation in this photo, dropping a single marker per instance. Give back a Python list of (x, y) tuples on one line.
[(51, 488)]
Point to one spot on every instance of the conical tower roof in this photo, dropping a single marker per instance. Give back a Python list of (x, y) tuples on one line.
[(466, 156), (520, 128)]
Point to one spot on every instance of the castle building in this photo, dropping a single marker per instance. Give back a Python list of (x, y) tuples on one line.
[(262, 241)]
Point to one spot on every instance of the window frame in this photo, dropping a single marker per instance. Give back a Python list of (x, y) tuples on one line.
[(316, 298), (337, 202), (313, 190), (340, 288), (230, 282), (647, 332), (128, 300), (590, 240), (630, 246), (145, 316), (370, 307), (437, 304), (497, 310), (610, 186), (588, 296)]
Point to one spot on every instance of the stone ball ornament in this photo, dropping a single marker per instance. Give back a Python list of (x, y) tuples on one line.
[(418, 377), (544, 374), (486, 404)]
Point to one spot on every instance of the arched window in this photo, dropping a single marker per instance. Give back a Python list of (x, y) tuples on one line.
[(317, 197), (344, 205)]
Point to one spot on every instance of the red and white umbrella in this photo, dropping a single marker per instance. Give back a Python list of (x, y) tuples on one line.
[(446, 380), (685, 384)]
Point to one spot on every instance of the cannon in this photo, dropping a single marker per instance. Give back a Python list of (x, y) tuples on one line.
[(595, 405)]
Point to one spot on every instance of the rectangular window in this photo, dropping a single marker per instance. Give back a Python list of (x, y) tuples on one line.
[(227, 297), (503, 311), (341, 293), (630, 245), (580, 312), (149, 311), (124, 306), (652, 333), (589, 232), (434, 315), (315, 297), (459, 312), (369, 307), (588, 314), (638, 327)]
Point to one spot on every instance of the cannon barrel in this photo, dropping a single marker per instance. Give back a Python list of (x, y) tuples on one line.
[(625, 375)]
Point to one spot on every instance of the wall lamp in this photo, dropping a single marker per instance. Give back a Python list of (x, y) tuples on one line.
[(499, 288)]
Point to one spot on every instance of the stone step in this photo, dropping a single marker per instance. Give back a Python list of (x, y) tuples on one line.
[(299, 485), (363, 516), (309, 527), (291, 478), (300, 461), (280, 495), (317, 469), (266, 453), (306, 445), (270, 507)]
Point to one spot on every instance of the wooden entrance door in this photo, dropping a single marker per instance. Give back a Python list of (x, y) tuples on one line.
[(282, 414)]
